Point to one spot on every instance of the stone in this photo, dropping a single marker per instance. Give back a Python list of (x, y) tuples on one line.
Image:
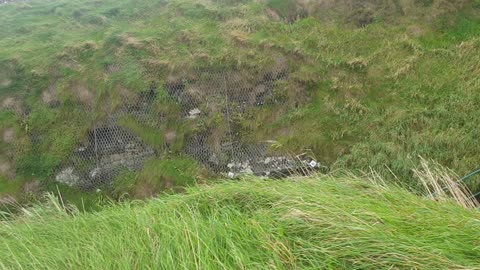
[(247, 170), (194, 113), (66, 176), (214, 159), (231, 174), (94, 172)]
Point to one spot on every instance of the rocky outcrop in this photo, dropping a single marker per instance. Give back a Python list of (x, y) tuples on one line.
[(107, 151), (218, 144)]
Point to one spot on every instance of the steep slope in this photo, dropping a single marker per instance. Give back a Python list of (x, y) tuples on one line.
[(370, 83)]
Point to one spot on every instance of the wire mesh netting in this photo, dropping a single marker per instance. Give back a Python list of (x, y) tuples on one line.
[(199, 114)]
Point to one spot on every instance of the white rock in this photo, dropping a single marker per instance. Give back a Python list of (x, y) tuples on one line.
[(214, 160), (67, 177), (248, 171), (194, 113), (231, 174), (94, 172)]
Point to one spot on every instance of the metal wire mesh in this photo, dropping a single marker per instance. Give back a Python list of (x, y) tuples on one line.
[(195, 113)]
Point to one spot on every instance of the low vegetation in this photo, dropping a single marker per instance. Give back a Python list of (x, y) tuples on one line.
[(300, 223), (365, 86), (372, 84)]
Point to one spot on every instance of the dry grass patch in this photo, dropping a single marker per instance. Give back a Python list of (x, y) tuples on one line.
[(8, 135)]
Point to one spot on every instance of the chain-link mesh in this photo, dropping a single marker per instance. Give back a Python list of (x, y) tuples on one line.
[(197, 113)]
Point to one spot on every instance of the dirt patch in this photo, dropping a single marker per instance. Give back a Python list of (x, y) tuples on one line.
[(50, 96), (8, 135), (5, 82), (170, 136), (144, 191), (83, 94), (6, 169), (10, 103), (31, 187), (272, 14)]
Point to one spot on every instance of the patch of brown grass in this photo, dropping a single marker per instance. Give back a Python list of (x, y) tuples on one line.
[(83, 94), (31, 187), (13, 104), (441, 184), (8, 135), (50, 96), (130, 41), (6, 169), (7, 199), (5, 82)]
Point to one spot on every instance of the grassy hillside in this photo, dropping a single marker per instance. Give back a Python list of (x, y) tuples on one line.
[(316, 223), (371, 83)]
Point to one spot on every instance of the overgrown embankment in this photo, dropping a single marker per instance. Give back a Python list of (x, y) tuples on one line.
[(370, 83), (316, 223)]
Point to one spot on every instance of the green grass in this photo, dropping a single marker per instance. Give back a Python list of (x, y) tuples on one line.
[(8, 187), (372, 97), (378, 96), (169, 174), (315, 223)]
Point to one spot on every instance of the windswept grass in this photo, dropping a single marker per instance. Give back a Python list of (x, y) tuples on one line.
[(315, 223)]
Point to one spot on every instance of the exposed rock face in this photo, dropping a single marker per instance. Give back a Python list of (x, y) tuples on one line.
[(232, 94), (107, 151), (110, 148), (273, 166)]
